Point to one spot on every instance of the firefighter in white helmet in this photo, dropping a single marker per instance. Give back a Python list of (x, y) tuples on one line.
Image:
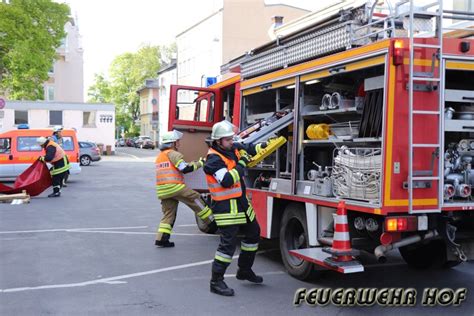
[(225, 167), (171, 189), (56, 156), (57, 137)]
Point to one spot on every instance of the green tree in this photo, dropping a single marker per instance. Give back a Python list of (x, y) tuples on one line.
[(127, 74), (100, 91), (30, 32)]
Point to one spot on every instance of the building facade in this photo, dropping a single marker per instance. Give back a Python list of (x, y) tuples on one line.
[(66, 77), (166, 77), (149, 109), (92, 121), (236, 27)]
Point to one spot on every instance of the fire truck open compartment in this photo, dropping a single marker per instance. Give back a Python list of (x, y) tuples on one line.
[(458, 137), (355, 122)]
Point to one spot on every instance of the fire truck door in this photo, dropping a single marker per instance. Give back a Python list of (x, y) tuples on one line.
[(193, 112)]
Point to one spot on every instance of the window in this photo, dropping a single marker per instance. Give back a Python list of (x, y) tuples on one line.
[(194, 105), (67, 143), (85, 145), (55, 117), (50, 93), (5, 145), (28, 144), (21, 117), (88, 119)]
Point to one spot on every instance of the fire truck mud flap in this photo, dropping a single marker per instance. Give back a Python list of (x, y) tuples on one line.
[(321, 258)]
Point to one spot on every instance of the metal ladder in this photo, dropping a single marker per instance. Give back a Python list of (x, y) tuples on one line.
[(434, 78)]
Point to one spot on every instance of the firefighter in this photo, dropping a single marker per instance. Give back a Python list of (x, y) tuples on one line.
[(57, 137), (171, 189), (56, 156), (232, 210)]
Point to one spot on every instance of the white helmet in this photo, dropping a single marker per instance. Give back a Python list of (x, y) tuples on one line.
[(57, 128), (41, 140), (222, 129), (171, 137)]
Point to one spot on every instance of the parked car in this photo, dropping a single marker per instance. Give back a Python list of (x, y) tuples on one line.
[(120, 142), (88, 152), (130, 142), (144, 142)]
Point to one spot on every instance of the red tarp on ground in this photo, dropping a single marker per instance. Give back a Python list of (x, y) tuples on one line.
[(33, 180)]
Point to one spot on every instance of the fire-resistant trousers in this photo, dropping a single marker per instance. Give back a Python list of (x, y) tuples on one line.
[(57, 180), (169, 208), (226, 248)]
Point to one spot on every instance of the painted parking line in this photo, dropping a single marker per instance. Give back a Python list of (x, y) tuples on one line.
[(113, 280), (140, 233), (69, 229)]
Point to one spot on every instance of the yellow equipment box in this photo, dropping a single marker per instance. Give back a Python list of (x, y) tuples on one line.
[(273, 144)]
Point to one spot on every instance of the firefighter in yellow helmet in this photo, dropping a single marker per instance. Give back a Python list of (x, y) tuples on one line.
[(171, 189), (56, 156), (233, 212)]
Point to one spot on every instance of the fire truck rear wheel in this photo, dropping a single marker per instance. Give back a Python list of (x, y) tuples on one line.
[(430, 255), (203, 227), (294, 235)]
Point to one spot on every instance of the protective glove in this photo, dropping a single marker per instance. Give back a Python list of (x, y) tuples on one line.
[(202, 161), (244, 161), (41, 158), (243, 152)]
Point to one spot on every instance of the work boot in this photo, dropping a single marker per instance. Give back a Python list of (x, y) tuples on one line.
[(55, 194), (164, 243), (219, 287), (248, 275)]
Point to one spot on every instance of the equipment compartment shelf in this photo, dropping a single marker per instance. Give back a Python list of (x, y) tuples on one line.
[(451, 95), (336, 111), (309, 142), (459, 125)]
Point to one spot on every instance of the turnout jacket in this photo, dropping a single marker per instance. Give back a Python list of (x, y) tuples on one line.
[(170, 167), (56, 156), (223, 166)]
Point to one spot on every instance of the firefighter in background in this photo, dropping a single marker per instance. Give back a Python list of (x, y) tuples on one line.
[(56, 156), (171, 189), (57, 137), (233, 212)]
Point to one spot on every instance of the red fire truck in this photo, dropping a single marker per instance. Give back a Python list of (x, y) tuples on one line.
[(377, 107)]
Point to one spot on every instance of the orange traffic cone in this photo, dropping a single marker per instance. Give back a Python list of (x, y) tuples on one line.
[(341, 249)]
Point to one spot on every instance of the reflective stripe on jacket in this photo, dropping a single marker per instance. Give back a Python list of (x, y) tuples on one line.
[(60, 162), (169, 179), (218, 192)]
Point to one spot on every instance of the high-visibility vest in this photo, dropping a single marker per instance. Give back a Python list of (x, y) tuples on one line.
[(59, 152), (218, 192), (59, 155), (166, 172)]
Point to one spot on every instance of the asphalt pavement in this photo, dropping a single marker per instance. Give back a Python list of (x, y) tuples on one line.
[(91, 252)]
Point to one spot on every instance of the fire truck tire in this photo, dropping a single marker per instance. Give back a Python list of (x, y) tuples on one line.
[(204, 228), (430, 255), (294, 235)]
